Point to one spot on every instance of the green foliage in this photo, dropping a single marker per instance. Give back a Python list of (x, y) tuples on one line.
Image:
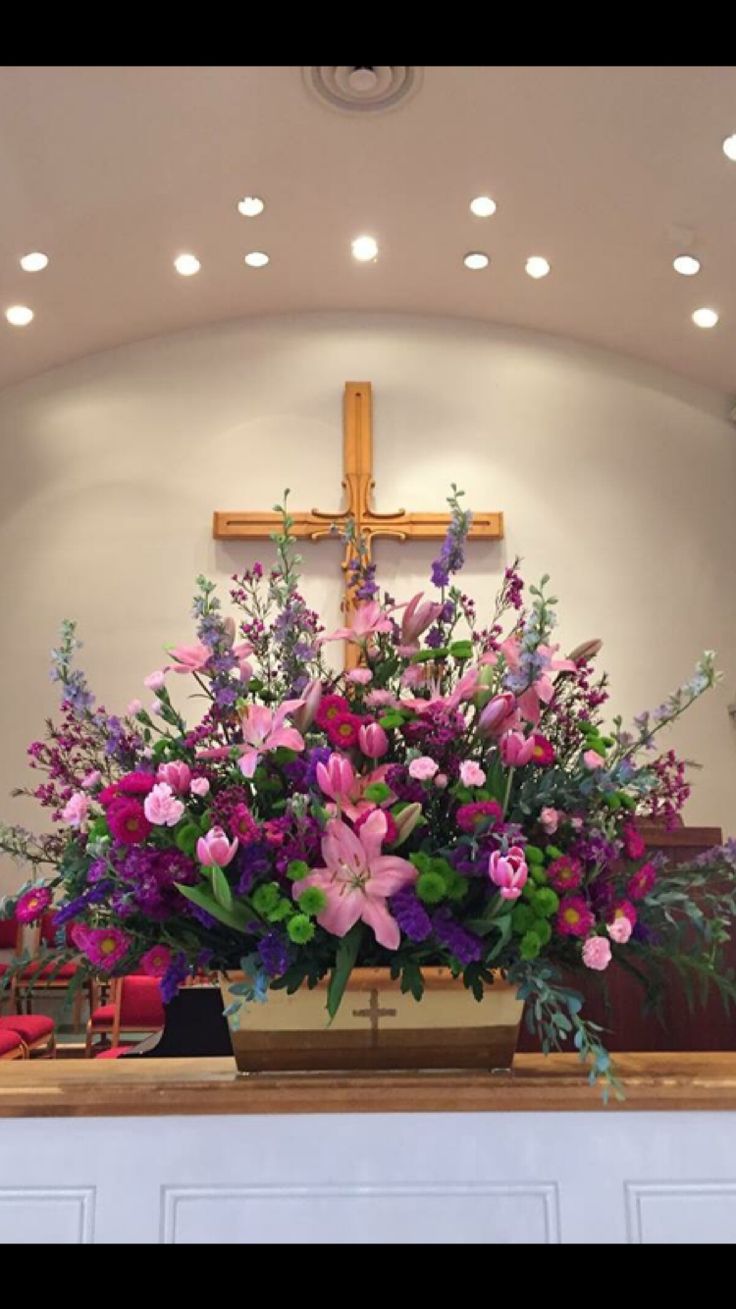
[(187, 837), (345, 959), (237, 917)]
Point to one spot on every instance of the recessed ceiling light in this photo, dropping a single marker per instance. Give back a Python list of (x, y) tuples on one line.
[(705, 317), (537, 266), (364, 249), (688, 265), (34, 262), (251, 206), (482, 206), (256, 259), (476, 259), (19, 315), (729, 147), (187, 265)]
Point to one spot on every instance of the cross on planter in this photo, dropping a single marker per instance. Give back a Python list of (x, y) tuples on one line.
[(373, 1013)]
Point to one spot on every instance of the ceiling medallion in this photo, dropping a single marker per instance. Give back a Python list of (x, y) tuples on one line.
[(362, 88)]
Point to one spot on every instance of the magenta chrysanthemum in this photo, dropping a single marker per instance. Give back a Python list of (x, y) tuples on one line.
[(156, 961), (483, 812), (343, 730), (128, 822), (641, 882), (33, 904), (574, 917), (105, 946), (565, 873)]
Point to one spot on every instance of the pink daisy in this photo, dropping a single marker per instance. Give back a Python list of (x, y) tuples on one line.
[(156, 961), (343, 730), (127, 821), (32, 904), (471, 816), (565, 873), (543, 752), (330, 707), (574, 918), (105, 946), (641, 882)]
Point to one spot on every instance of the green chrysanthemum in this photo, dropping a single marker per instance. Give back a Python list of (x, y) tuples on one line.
[(300, 929), (530, 945), (297, 869), (266, 897), (312, 900), (545, 902), (431, 888), (522, 918)]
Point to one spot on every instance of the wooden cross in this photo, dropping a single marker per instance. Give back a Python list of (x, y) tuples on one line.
[(358, 486), (373, 1013)]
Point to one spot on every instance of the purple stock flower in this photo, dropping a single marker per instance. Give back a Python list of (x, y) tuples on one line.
[(411, 915), (461, 943), (172, 979), (274, 954)]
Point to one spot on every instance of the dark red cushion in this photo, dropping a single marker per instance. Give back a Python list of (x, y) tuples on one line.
[(30, 1027), (41, 971), (103, 1016), (9, 1041), (115, 1052)]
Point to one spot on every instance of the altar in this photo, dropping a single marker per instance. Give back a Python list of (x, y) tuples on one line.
[(185, 1152)]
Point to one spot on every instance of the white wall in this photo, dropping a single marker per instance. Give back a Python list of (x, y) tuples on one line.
[(615, 478)]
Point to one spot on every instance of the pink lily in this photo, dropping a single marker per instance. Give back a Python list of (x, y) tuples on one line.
[(366, 620), (416, 619), (358, 879), (189, 658), (500, 715), (264, 730), (304, 716)]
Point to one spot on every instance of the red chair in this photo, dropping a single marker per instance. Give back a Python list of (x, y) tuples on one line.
[(39, 977), (136, 1006), (11, 938), (11, 1046), (34, 1031)]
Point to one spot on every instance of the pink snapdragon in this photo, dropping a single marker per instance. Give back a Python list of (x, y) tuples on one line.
[(516, 750), (471, 774), (76, 809), (358, 879), (634, 843), (177, 774), (373, 740), (508, 872), (161, 806), (423, 769), (597, 953), (214, 849)]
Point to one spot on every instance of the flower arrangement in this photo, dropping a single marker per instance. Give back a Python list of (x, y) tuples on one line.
[(452, 799)]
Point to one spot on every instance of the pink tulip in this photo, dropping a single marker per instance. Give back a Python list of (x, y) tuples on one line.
[(264, 730), (305, 715), (155, 681), (336, 778), (516, 750), (415, 620), (215, 849), (189, 658), (160, 806), (177, 774), (373, 740), (508, 872), (358, 879), (597, 953), (499, 715), (366, 620)]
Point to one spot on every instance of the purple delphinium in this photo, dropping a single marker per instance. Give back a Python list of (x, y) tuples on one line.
[(251, 861), (411, 915), (461, 943), (452, 554), (273, 953), (176, 973)]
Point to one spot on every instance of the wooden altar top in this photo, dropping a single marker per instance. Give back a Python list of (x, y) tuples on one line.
[(133, 1088)]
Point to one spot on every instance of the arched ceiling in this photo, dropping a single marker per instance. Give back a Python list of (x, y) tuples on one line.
[(608, 172)]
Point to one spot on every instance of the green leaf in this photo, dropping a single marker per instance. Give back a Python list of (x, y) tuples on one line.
[(187, 837), (221, 888), (346, 955), (392, 719), (237, 917)]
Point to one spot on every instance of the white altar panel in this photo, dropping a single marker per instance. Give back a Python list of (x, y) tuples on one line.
[(605, 1177)]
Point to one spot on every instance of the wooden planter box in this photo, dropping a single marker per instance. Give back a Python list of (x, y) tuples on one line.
[(376, 1027)]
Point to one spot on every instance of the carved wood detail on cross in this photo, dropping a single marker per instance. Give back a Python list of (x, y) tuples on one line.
[(358, 486)]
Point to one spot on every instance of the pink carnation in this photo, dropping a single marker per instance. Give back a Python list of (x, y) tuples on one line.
[(76, 809), (199, 786), (597, 953), (161, 807), (423, 769), (549, 819), (380, 699), (360, 676), (620, 929), (471, 774), (593, 760)]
